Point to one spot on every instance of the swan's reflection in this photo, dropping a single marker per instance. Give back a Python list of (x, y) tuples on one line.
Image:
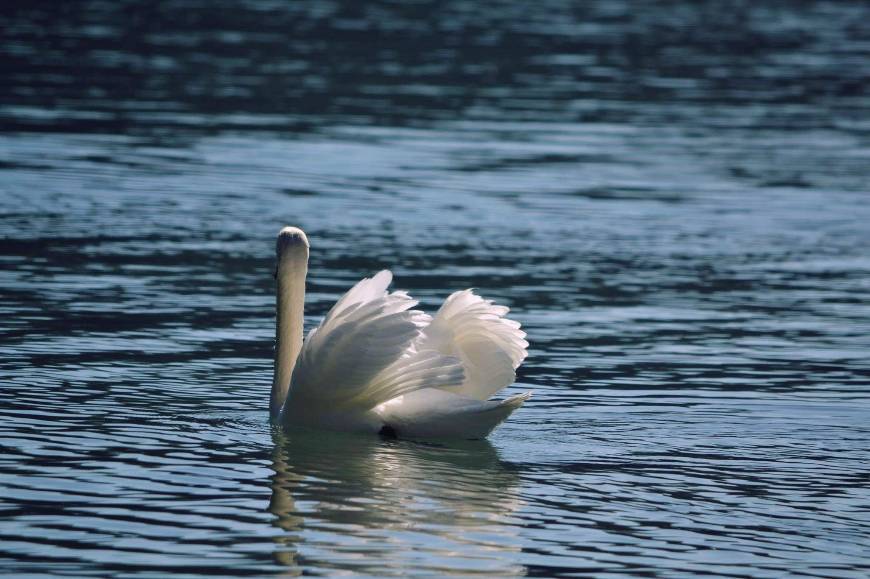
[(348, 503)]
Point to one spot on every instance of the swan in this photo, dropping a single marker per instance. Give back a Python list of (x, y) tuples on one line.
[(376, 365)]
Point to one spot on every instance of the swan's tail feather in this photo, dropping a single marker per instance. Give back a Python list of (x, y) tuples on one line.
[(436, 413), (516, 401)]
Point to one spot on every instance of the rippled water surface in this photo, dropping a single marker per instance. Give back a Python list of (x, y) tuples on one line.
[(672, 198)]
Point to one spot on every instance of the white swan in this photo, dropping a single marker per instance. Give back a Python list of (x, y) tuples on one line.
[(374, 364)]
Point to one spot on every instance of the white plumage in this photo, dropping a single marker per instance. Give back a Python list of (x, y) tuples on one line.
[(375, 362)]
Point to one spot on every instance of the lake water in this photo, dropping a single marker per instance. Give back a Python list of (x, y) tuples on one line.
[(672, 197)]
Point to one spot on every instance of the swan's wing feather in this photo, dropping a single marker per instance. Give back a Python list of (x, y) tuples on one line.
[(490, 346), (436, 413), (363, 353), (365, 290)]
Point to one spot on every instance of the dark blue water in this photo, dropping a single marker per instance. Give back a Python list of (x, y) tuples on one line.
[(672, 197)]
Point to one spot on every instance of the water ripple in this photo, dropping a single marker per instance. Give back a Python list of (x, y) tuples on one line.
[(669, 196)]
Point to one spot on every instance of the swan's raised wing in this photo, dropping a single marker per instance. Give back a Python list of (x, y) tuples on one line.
[(490, 346), (364, 353)]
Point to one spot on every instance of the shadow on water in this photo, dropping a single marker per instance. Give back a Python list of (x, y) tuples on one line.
[(385, 494)]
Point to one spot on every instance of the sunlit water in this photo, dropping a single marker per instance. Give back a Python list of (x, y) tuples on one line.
[(671, 197)]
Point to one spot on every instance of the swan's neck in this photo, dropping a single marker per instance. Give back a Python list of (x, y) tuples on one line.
[(291, 273)]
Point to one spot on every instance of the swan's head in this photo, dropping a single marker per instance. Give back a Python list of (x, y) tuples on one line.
[(292, 245)]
